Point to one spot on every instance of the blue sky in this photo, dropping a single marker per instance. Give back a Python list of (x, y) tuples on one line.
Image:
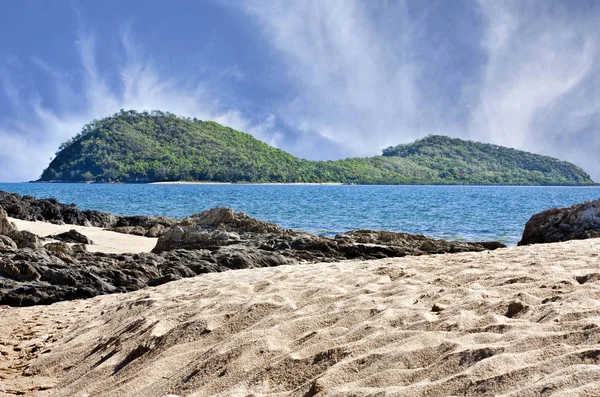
[(320, 79)]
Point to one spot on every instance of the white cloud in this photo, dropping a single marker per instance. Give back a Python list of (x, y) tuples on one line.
[(32, 136), (370, 74), (361, 76), (535, 89), (353, 85)]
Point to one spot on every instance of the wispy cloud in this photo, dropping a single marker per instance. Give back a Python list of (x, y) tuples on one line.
[(370, 74), (353, 77), (36, 130), (541, 83), (351, 81)]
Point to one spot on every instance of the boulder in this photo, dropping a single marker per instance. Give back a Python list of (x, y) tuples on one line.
[(72, 236), (51, 210), (156, 231), (6, 243), (193, 237), (135, 230), (226, 219), (58, 246), (411, 244), (577, 222), (6, 227), (79, 247), (25, 239)]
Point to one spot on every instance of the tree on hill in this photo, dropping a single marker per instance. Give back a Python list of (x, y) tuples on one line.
[(140, 147)]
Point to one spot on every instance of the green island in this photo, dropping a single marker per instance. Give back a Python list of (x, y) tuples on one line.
[(143, 147)]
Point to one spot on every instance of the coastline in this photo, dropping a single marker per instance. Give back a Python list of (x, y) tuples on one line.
[(414, 324), (249, 183), (408, 183)]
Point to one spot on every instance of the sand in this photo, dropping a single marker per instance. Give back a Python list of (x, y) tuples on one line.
[(104, 240), (521, 321), (249, 183)]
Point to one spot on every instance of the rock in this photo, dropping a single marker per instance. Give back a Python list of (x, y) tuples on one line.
[(51, 210), (514, 309), (19, 271), (226, 219), (6, 243), (6, 227), (192, 237), (72, 236), (156, 231), (412, 244), (578, 222), (135, 230), (58, 247), (79, 248), (25, 239), (154, 282), (213, 241)]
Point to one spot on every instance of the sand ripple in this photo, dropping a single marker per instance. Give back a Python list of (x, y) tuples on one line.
[(518, 322)]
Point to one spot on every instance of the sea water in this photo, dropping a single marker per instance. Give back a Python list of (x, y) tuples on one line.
[(472, 213)]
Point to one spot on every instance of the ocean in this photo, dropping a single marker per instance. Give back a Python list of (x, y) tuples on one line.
[(473, 213)]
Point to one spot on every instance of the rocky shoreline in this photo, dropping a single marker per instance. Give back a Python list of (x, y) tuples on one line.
[(34, 272), (55, 268)]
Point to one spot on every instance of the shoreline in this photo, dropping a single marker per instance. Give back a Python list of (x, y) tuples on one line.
[(248, 184), (586, 185)]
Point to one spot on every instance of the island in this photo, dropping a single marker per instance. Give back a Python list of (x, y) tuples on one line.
[(156, 146)]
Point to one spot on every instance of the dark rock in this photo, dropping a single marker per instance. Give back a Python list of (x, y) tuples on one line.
[(193, 237), (25, 239), (156, 231), (135, 230), (58, 247), (226, 219), (72, 236), (581, 221), (514, 309), (214, 241), (162, 280), (51, 210), (79, 247), (6, 227), (6, 243)]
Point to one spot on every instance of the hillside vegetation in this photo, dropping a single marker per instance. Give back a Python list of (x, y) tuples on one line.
[(136, 147)]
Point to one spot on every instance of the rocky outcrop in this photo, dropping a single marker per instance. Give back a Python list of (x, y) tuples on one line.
[(578, 222), (29, 208), (72, 236), (212, 241), (222, 227), (10, 236), (32, 277), (7, 243)]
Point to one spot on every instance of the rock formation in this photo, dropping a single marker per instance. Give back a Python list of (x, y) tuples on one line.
[(212, 241), (10, 236), (577, 222), (29, 208), (220, 227)]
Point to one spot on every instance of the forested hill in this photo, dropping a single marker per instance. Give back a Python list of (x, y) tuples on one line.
[(155, 146)]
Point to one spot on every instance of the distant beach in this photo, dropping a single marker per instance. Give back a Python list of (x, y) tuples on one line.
[(243, 183)]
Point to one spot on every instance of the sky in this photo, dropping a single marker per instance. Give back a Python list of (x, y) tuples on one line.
[(319, 79)]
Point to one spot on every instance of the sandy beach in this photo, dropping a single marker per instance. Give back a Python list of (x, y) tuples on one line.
[(241, 183), (519, 321), (104, 240)]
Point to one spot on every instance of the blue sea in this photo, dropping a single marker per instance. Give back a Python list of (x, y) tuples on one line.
[(448, 212)]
